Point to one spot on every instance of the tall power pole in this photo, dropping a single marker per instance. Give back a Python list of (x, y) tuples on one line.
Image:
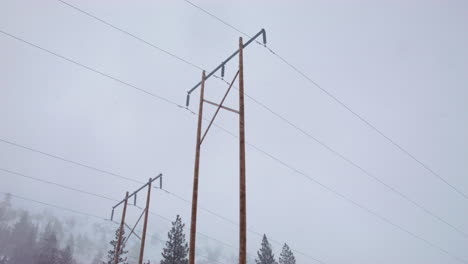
[(122, 223), (193, 222), (200, 139), (145, 224), (242, 189), (120, 243)]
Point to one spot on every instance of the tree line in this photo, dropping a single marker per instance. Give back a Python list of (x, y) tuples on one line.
[(23, 241), (24, 244), (176, 249)]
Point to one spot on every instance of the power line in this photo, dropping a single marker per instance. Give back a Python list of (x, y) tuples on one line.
[(134, 36), (57, 184), (69, 161), (354, 164), (307, 134), (106, 75), (166, 191), (237, 224), (217, 18), (102, 197), (131, 35), (378, 131), (285, 120), (192, 112), (126, 178), (55, 206), (341, 103), (92, 69), (278, 115), (344, 197), (369, 211)]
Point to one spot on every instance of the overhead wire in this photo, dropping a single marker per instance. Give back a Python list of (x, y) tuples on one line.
[(69, 161), (369, 211), (279, 116), (97, 195), (340, 102), (346, 198), (163, 190), (131, 35), (357, 166), (89, 68), (164, 99), (55, 206), (270, 110), (103, 74), (57, 184)]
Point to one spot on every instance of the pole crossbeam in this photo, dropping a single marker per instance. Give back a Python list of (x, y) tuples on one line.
[(141, 188), (219, 107), (221, 66), (120, 243), (222, 106), (132, 231)]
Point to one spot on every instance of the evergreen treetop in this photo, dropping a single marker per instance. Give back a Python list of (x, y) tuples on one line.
[(287, 256), (122, 258), (265, 254), (176, 249)]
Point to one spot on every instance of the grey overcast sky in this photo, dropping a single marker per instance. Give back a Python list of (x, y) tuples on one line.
[(402, 65)]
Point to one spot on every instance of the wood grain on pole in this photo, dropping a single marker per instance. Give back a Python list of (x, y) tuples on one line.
[(193, 223), (242, 187), (121, 229), (145, 224)]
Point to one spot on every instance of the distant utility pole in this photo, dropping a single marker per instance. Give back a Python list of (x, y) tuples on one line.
[(145, 222), (122, 222), (242, 189), (200, 138)]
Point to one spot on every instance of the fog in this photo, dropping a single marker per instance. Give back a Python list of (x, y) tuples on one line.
[(401, 65)]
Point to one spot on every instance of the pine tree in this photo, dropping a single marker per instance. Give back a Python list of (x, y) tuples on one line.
[(286, 256), (48, 247), (176, 249), (122, 255), (265, 254)]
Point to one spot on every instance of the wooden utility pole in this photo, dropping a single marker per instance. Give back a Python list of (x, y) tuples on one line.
[(193, 223), (242, 188), (200, 140), (121, 243), (145, 224), (122, 223)]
